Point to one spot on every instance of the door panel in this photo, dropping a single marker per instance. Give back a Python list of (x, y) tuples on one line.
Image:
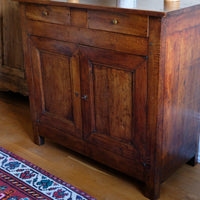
[(114, 116), (56, 77), (57, 97), (114, 113)]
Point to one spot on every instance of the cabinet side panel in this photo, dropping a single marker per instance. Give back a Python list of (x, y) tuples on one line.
[(181, 98)]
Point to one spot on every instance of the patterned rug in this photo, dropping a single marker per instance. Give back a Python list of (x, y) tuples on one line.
[(21, 180)]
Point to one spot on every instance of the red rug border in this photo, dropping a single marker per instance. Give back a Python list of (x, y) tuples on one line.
[(17, 181), (42, 171)]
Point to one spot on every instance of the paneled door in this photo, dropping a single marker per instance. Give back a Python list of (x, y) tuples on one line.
[(56, 82), (114, 95)]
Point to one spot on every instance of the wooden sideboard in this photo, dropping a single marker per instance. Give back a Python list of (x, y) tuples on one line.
[(118, 84), (12, 73)]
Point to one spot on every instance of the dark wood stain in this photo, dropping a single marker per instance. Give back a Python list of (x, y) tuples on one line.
[(127, 97)]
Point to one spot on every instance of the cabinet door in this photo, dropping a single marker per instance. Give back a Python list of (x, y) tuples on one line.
[(56, 84), (114, 95)]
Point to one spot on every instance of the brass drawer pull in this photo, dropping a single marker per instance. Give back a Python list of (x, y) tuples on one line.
[(45, 13), (115, 21)]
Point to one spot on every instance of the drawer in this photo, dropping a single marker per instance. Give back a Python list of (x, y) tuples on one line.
[(52, 14), (119, 22)]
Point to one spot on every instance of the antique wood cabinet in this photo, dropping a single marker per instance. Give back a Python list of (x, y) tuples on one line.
[(12, 73), (117, 83)]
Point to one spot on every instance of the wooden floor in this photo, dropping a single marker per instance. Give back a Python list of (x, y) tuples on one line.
[(94, 179)]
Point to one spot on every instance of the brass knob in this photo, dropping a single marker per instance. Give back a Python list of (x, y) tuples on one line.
[(115, 21), (45, 13)]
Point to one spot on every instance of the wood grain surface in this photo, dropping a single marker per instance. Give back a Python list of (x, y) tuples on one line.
[(124, 92)]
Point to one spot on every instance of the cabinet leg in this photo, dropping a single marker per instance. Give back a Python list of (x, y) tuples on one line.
[(39, 140), (152, 191), (192, 161)]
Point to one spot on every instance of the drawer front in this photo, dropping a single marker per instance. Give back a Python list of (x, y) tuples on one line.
[(52, 14), (119, 22)]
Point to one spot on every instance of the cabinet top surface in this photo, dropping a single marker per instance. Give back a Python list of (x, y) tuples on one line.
[(151, 7)]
